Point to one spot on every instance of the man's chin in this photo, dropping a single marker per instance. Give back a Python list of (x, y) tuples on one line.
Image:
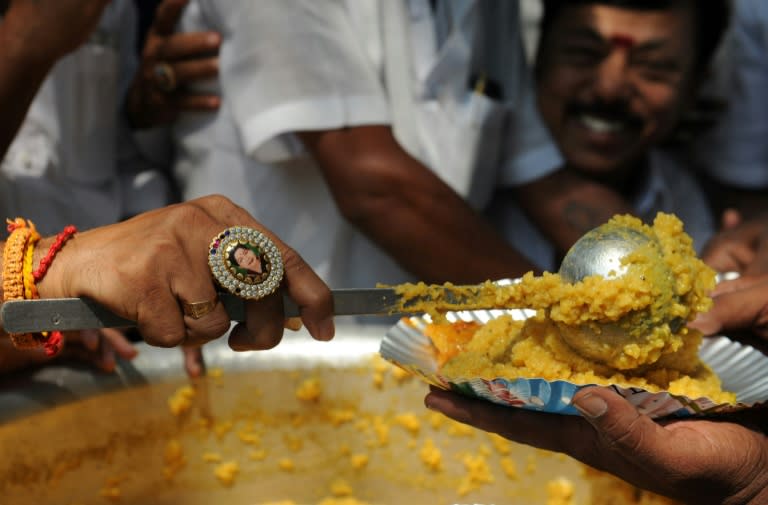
[(596, 165)]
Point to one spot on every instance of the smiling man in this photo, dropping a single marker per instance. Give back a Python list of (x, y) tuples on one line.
[(614, 78)]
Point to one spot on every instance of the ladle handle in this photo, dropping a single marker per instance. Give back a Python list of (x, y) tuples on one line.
[(66, 314)]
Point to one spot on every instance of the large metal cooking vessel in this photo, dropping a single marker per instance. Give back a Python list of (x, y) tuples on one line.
[(76, 437)]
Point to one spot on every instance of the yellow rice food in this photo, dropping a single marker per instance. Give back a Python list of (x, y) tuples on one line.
[(664, 286)]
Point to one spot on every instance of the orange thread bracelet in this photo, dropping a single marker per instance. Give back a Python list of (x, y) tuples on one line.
[(13, 273)]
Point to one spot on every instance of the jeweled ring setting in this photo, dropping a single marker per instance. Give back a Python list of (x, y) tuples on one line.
[(245, 262), (165, 77)]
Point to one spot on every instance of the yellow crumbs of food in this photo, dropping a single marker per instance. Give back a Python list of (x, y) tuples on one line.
[(181, 400), (607, 489), (560, 491), (509, 467), (662, 360), (664, 286), (227, 472), (478, 473), (173, 459), (340, 487), (341, 501), (431, 456), (309, 390), (258, 455), (409, 421), (212, 457), (359, 461), (286, 464)]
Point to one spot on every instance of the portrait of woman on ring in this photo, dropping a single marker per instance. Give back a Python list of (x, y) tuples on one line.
[(247, 263)]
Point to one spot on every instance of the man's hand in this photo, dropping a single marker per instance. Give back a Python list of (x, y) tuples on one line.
[(695, 461), (144, 268), (184, 58), (740, 304), (741, 245), (97, 348), (565, 205)]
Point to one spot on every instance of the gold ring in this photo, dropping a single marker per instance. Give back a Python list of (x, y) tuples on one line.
[(245, 262), (165, 77), (196, 310)]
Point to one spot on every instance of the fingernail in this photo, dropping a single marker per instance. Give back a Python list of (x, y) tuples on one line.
[(326, 329), (591, 406), (213, 39), (293, 323)]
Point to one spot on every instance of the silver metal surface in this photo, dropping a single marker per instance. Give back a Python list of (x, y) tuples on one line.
[(21, 316), (601, 252), (59, 383)]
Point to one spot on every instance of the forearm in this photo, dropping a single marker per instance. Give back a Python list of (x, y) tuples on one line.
[(22, 71), (564, 206), (410, 213)]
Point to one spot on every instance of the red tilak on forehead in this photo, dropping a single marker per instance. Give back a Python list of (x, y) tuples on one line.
[(622, 41)]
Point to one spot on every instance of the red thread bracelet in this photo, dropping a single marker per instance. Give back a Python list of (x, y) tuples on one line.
[(55, 340), (61, 239)]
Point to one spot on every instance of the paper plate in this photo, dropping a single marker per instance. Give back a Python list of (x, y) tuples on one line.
[(741, 368)]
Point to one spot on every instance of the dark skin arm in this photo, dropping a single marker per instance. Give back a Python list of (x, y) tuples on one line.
[(717, 462), (193, 58), (407, 210), (565, 205), (33, 38)]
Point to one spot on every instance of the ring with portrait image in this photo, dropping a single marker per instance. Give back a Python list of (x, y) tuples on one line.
[(165, 76), (245, 262)]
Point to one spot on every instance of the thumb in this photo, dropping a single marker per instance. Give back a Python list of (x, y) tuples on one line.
[(731, 218), (621, 427)]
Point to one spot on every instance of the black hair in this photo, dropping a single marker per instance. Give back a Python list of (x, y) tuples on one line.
[(711, 20)]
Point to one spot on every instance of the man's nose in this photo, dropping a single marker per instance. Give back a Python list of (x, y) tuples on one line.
[(612, 81)]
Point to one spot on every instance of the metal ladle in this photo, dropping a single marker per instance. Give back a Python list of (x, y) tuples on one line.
[(601, 251)]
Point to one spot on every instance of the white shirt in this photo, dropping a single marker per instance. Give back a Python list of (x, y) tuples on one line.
[(736, 152), (668, 187), (66, 162), (296, 65)]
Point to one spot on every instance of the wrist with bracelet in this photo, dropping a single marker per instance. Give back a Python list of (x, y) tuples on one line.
[(20, 277)]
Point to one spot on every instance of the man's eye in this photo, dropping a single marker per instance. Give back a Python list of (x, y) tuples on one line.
[(657, 71), (582, 54)]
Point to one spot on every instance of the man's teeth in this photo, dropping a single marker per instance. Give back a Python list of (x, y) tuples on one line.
[(601, 125)]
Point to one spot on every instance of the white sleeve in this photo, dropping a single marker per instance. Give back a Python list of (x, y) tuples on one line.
[(290, 65), (529, 151), (736, 152)]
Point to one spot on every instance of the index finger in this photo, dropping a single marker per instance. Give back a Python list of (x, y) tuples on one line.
[(179, 46), (740, 309), (167, 15), (311, 295)]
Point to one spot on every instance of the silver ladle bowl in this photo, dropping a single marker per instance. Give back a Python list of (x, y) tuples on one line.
[(601, 251)]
